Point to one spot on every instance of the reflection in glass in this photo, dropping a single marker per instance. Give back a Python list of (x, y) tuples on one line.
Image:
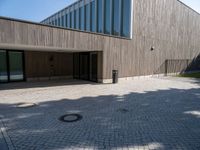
[(82, 18), (93, 17), (126, 16), (56, 22), (70, 15), (76, 16), (66, 21), (87, 17), (16, 65), (62, 21), (59, 21), (116, 16), (107, 17), (111, 17), (72, 19), (3, 67), (100, 15)]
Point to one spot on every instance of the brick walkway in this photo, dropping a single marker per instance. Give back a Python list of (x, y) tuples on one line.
[(148, 114)]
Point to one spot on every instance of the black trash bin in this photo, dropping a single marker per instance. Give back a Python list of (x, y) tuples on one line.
[(115, 76)]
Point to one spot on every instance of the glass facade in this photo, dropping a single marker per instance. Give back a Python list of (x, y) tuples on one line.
[(93, 17), (100, 16), (82, 18), (116, 17), (56, 22), (16, 65), (71, 20), (62, 21), (87, 17), (68, 20), (3, 66), (107, 16), (11, 66), (126, 18), (112, 17), (59, 21), (76, 18)]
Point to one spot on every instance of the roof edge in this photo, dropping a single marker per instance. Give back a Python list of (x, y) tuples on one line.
[(188, 7), (64, 28)]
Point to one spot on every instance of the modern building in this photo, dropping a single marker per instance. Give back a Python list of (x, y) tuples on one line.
[(90, 38)]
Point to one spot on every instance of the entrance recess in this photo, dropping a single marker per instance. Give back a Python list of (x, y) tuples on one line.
[(93, 66), (3, 66), (11, 66), (85, 66)]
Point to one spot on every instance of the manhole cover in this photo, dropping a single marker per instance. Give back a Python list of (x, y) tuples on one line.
[(70, 118), (25, 105), (122, 110)]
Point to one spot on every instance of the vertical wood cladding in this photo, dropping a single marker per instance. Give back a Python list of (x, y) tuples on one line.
[(167, 25), (48, 64)]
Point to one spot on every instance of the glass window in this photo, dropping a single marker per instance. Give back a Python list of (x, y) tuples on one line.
[(82, 18), (93, 16), (126, 18), (62, 21), (87, 17), (56, 22), (100, 15), (116, 16), (52, 22), (77, 19), (16, 66), (107, 17), (70, 15), (3, 66), (72, 19), (59, 21), (68, 20)]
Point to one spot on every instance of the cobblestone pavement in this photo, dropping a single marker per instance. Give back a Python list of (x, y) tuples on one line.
[(143, 114), (3, 145)]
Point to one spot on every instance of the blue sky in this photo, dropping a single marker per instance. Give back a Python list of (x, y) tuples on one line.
[(37, 10), (32, 10), (195, 4)]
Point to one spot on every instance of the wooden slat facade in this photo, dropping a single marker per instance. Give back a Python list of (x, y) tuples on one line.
[(169, 26), (48, 64)]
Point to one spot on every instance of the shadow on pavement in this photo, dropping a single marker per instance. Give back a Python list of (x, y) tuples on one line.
[(163, 119), (42, 84)]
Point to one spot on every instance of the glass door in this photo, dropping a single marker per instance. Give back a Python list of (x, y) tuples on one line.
[(84, 66), (76, 70), (93, 67), (3, 66), (16, 68)]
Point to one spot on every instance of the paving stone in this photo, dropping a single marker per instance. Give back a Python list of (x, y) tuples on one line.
[(163, 113)]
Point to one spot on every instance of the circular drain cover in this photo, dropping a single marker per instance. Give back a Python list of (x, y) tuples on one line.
[(70, 118), (25, 105), (122, 110)]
